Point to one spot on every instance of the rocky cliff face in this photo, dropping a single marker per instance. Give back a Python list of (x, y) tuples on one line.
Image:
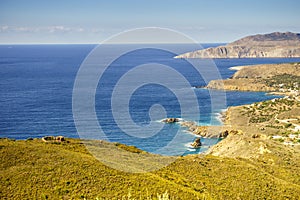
[(277, 45)]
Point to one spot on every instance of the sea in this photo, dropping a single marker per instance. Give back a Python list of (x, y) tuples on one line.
[(37, 95)]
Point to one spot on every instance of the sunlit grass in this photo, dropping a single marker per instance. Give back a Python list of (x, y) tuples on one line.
[(37, 170)]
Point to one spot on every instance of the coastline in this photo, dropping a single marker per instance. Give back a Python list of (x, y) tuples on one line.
[(256, 121), (261, 149), (226, 127)]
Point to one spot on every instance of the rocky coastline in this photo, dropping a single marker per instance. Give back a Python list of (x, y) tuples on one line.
[(249, 131), (257, 125), (273, 45), (221, 131)]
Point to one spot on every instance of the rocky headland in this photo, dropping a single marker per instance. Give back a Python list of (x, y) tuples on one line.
[(273, 45), (280, 78)]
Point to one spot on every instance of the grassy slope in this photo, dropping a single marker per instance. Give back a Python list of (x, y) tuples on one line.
[(37, 170)]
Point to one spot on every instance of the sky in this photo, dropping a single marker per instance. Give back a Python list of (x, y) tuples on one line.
[(93, 21)]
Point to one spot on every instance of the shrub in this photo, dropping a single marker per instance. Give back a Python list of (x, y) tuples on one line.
[(288, 125)]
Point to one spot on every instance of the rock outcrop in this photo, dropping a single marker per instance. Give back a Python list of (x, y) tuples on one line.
[(170, 120), (197, 143), (206, 131), (273, 45), (54, 139)]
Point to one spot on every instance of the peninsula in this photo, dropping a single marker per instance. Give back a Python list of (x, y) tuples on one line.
[(273, 45), (262, 127), (280, 78)]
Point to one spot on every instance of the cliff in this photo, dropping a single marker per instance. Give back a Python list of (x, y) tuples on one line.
[(277, 45)]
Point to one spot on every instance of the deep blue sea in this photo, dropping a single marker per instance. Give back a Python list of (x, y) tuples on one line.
[(36, 87)]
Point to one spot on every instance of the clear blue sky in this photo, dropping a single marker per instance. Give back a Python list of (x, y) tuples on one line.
[(91, 21)]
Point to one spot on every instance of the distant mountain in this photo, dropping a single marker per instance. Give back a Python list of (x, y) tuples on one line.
[(273, 45)]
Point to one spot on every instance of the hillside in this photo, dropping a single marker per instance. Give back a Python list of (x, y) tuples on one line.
[(268, 127), (266, 122), (33, 169), (284, 78), (273, 45)]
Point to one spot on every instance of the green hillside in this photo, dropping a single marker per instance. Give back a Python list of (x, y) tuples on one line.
[(34, 169)]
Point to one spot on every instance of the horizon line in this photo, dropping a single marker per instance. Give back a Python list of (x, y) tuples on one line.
[(107, 43)]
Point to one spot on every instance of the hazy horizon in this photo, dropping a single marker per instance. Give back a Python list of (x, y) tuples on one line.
[(81, 22)]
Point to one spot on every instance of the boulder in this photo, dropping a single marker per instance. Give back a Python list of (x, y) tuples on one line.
[(224, 134), (60, 138), (170, 120), (48, 138), (54, 139), (197, 143)]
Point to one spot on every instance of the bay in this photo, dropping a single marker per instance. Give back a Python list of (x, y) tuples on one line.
[(36, 87)]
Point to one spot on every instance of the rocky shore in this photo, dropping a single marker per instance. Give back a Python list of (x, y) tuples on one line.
[(203, 131), (252, 131)]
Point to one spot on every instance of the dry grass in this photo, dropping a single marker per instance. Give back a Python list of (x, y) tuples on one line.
[(37, 170)]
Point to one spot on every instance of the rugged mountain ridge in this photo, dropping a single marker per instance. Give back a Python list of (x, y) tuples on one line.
[(277, 45)]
